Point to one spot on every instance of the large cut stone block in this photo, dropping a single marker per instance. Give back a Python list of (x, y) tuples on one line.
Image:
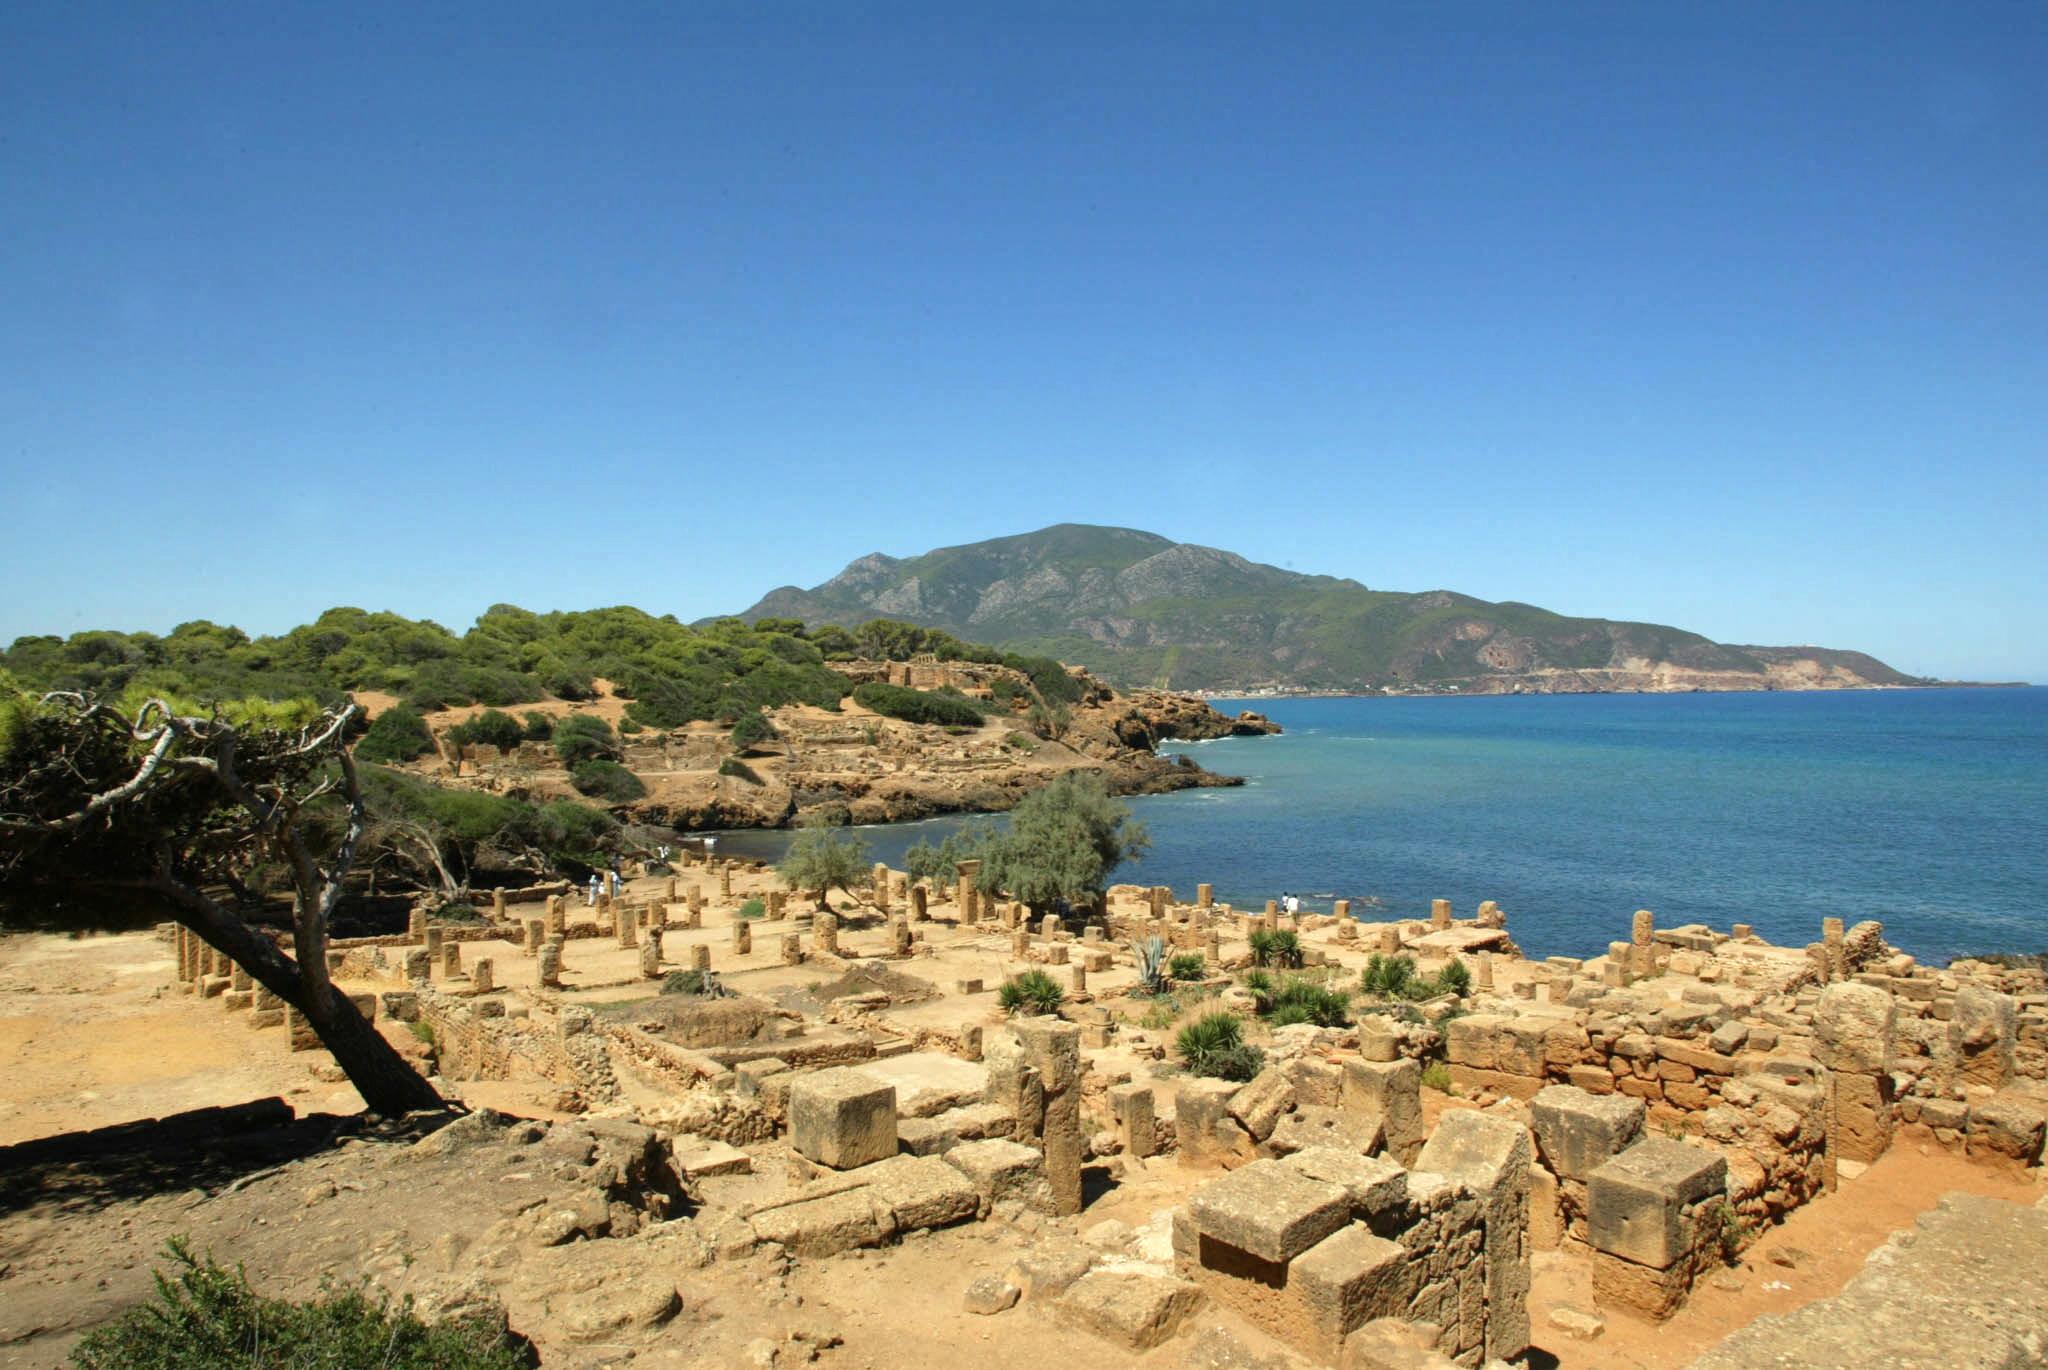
[(1637, 1200), (822, 1227), (1854, 1028), (842, 1118), (1004, 1170), (1577, 1132), (1378, 1188), (1270, 1210), (1258, 1105), (921, 1192), (1345, 1281), (1132, 1308), (1391, 1092), (1204, 1131)]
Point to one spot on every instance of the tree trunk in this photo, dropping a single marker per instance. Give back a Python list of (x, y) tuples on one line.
[(388, 1083)]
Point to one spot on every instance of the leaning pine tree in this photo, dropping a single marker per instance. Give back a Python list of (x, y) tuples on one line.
[(154, 804)]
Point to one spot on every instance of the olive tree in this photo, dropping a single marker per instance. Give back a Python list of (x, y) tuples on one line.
[(179, 809), (823, 859)]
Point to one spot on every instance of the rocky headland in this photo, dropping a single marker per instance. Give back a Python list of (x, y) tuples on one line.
[(861, 764)]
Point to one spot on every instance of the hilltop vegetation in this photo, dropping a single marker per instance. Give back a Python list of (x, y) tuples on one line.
[(673, 673), (1137, 608)]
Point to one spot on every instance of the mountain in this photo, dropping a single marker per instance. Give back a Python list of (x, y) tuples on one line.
[(1138, 608)]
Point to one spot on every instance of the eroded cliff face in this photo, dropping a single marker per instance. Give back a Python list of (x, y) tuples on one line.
[(879, 769)]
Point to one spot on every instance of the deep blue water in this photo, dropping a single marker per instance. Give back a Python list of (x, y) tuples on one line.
[(1926, 809)]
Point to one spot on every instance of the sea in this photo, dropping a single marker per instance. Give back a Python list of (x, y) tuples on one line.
[(1926, 809)]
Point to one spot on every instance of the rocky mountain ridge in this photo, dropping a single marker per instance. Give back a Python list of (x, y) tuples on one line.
[(1138, 608)]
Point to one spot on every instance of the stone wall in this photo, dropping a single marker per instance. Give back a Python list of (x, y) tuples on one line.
[(1318, 1246)]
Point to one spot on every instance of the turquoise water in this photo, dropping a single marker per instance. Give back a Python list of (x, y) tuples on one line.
[(1926, 809)]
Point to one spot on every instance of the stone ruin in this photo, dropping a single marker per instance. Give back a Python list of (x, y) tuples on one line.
[(1646, 1112)]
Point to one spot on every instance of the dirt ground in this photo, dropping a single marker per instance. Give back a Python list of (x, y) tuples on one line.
[(90, 1037)]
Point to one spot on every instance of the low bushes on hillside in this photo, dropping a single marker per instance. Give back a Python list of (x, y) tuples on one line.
[(491, 728), (917, 706), (398, 734), (607, 780)]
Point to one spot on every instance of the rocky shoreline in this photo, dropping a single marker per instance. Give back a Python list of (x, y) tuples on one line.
[(867, 768)]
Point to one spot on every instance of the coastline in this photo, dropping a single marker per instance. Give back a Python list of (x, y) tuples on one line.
[(1259, 693)]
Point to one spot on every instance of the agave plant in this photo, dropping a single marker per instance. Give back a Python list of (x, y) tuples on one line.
[(1150, 953), (1187, 966)]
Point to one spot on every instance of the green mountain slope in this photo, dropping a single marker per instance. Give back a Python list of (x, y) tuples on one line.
[(1138, 608)]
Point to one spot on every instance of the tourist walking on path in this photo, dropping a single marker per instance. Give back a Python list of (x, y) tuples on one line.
[(595, 886)]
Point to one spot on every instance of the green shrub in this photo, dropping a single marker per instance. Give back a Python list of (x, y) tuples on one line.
[(421, 1029), (1213, 1046), (538, 726), (458, 911), (683, 982), (752, 728), (1187, 966), (753, 908), (941, 864), (1033, 993), (397, 734), (1305, 1001), (1390, 977), (629, 726), (606, 780), (738, 770), (491, 728), (205, 1316), (1437, 1076), (1454, 979), (917, 706), (823, 859), (1261, 986), (1275, 948), (584, 737), (1021, 742)]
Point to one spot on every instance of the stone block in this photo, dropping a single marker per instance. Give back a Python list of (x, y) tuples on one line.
[(1204, 1131), (1345, 1281), (1002, 1170), (1131, 1106), (922, 1192), (1855, 1028), (1646, 1291), (1130, 1308), (1376, 1186), (822, 1227), (936, 1136), (1636, 1202), (1270, 1210), (1578, 1132), (1259, 1104), (1982, 1029), (842, 1118), (1391, 1092), (1312, 1126)]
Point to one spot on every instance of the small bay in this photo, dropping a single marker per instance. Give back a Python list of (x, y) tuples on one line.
[(1924, 809)]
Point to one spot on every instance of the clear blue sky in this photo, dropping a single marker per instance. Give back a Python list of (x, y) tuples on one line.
[(1733, 316)]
